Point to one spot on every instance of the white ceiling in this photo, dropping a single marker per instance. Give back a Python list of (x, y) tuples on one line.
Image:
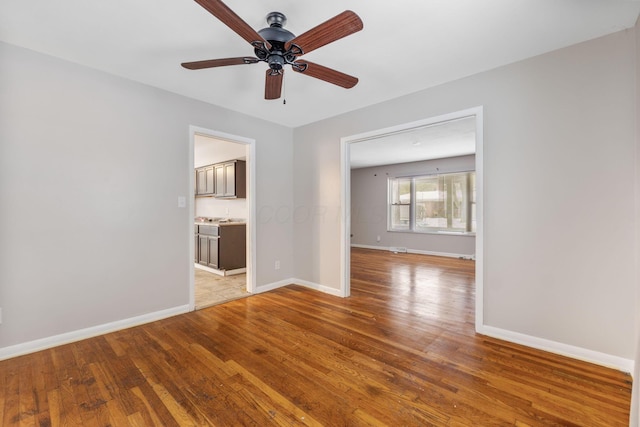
[(207, 150), (405, 46), (437, 141)]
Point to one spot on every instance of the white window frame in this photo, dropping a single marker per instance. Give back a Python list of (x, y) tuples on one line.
[(412, 228)]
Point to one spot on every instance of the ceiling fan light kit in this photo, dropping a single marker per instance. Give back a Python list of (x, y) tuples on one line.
[(279, 47)]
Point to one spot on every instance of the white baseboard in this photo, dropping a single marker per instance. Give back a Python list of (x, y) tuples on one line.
[(579, 353), (305, 283), (319, 287), (68, 337), (275, 285), (417, 251)]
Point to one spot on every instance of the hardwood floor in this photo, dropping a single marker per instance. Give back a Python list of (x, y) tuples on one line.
[(401, 352)]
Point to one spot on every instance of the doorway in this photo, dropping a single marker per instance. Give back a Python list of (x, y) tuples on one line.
[(210, 285), (347, 143)]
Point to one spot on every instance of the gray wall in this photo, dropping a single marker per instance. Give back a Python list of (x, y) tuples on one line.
[(559, 160), (369, 208), (91, 167)]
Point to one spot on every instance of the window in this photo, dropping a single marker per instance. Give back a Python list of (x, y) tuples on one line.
[(433, 203), (400, 207)]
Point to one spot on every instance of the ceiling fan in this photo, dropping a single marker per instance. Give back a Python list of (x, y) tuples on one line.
[(279, 47)]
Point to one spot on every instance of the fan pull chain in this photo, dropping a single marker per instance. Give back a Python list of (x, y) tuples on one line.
[(284, 90)]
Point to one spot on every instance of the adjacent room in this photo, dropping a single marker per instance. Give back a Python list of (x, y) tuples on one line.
[(354, 277), (221, 209), (415, 189)]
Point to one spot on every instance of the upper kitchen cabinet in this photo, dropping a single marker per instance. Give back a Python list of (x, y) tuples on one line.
[(205, 181), (231, 179)]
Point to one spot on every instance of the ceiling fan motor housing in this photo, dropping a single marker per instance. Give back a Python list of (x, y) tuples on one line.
[(277, 38)]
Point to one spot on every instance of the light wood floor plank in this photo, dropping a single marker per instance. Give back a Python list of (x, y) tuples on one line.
[(401, 351)]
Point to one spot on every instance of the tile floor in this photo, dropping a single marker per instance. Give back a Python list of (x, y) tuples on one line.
[(212, 289)]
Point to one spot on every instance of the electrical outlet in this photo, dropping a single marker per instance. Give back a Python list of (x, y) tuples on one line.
[(277, 265), (0, 315), (378, 239)]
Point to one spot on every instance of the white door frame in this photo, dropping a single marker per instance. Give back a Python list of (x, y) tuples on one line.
[(251, 208), (345, 223)]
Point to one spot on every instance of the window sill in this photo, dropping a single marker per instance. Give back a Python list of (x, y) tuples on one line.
[(445, 233)]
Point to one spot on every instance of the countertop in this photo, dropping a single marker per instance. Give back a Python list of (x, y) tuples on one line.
[(217, 222)]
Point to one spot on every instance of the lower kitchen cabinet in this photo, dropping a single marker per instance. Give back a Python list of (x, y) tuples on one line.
[(197, 243), (203, 250), (207, 238), (232, 247), (208, 250), (222, 247), (214, 254)]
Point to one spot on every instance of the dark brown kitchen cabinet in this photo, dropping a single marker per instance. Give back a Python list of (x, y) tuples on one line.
[(221, 247), (223, 180), (231, 179), (203, 250), (207, 237), (232, 247), (213, 250), (205, 182), (195, 249), (218, 173)]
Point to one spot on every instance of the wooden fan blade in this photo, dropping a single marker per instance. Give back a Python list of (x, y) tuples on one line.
[(329, 31), (210, 63), (231, 20), (273, 85), (328, 75)]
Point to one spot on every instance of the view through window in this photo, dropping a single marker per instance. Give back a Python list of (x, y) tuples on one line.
[(433, 203)]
